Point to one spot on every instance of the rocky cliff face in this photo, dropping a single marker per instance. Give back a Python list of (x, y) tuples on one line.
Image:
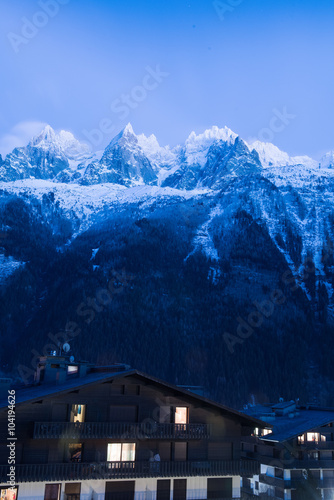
[(208, 232)]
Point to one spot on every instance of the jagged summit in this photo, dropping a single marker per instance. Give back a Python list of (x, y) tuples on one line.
[(64, 142), (47, 135), (209, 135), (46, 156), (204, 160), (128, 130), (271, 156)]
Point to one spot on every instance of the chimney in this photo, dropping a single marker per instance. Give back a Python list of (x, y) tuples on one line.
[(59, 368)]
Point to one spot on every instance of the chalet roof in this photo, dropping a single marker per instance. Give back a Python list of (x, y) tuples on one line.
[(44, 390), (287, 427)]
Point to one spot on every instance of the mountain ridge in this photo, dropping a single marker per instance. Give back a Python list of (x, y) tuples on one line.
[(131, 159), (209, 230)]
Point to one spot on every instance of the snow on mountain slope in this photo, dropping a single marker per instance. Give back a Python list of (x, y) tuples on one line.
[(46, 156), (123, 162), (271, 156), (87, 203), (61, 144), (197, 146), (209, 159), (297, 196), (8, 266)]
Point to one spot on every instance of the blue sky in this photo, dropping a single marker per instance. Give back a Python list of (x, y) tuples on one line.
[(79, 66)]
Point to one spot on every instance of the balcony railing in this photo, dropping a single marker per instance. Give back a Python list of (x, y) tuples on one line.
[(291, 462), (124, 470), (111, 430), (315, 445), (326, 483)]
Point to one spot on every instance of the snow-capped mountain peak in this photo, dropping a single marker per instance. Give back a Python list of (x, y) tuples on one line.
[(128, 130), (47, 155), (63, 142), (46, 136), (208, 136), (126, 135), (271, 156)]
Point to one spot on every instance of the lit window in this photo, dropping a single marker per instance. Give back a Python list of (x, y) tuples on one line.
[(181, 415), (75, 452), (265, 432), (8, 494), (71, 369), (78, 413), (121, 452), (313, 436), (301, 439)]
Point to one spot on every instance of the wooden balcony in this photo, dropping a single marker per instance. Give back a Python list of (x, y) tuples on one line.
[(111, 430), (124, 470), (315, 445)]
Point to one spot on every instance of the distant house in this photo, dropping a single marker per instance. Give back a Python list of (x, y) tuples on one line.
[(296, 456), (115, 433)]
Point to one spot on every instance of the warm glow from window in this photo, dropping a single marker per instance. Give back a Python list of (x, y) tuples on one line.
[(313, 436), (266, 431), (78, 413), (114, 452), (128, 452), (8, 494), (301, 439), (121, 452), (181, 415), (75, 452)]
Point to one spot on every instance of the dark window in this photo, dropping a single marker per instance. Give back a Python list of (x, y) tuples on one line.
[(120, 490), (163, 489), (278, 472), (72, 491), (132, 390), (219, 488), (180, 489), (180, 452), (279, 493), (52, 492)]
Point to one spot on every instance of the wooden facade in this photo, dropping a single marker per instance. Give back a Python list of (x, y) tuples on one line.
[(111, 428)]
